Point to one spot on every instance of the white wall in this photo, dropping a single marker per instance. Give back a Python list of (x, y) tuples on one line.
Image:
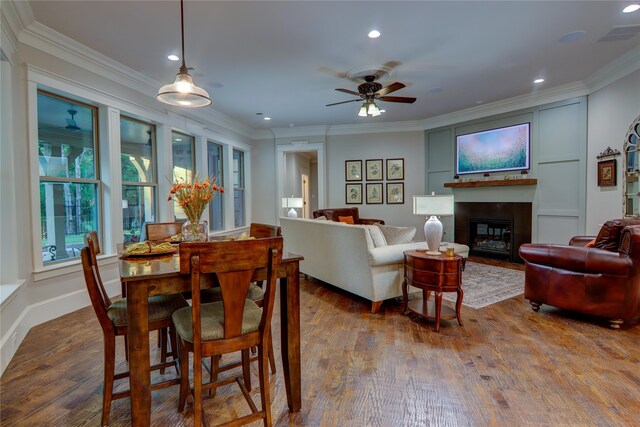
[(263, 182), (610, 113), (407, 145)]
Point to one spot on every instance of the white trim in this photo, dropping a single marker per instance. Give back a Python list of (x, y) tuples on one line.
[(32, 138), (281, 150), (69, 267), (615, 70), (7, 40), (8, 292), (44, 311), (17, 16)]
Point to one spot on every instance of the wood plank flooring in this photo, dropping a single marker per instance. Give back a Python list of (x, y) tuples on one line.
[(507, 366)]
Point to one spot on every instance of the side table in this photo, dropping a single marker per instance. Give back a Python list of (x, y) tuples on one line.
[(437, 273)]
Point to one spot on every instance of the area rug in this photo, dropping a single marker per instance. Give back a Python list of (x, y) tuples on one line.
[(486, 284)]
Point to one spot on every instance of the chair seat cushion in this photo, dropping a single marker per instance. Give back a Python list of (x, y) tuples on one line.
[(160, 308), (255, 293), (212, 320)]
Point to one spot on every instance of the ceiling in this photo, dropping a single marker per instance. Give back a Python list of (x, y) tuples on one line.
[(285, 58)]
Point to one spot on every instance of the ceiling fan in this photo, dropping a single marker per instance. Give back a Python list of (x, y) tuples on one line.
[(371, 91), (71, 123)]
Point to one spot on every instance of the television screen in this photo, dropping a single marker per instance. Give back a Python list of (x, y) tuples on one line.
[(502, 149)]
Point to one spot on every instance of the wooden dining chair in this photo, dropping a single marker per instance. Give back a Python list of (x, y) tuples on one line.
[(234, 324), (162, 230), (113, 321)]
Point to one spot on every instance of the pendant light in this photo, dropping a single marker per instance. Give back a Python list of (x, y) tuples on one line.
[(182, 92)]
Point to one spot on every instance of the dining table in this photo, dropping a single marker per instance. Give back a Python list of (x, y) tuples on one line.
[(144, 276)]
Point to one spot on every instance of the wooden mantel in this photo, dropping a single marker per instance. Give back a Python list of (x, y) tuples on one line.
[(492, 183)]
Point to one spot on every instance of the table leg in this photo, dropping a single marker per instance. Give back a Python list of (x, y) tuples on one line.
[(459, 305), (405, 296), (290, 330), (438, 310), (138, 331)]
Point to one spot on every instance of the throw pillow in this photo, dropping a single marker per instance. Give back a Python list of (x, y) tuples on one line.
[(320, 218), (346, 219), (376, 236), (397, 235), (591, 244)]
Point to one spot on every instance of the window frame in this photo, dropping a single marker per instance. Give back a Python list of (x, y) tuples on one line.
[(154, 183), (220, 180), (96, 181), (240, 188)]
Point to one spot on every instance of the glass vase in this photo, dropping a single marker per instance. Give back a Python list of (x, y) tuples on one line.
[(195, 232)]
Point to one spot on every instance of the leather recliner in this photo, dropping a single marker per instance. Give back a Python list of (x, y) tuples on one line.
[(332, 214), (603, 280)]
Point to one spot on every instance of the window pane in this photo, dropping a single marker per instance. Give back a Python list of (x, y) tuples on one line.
[(238, 188), (182, 146), (138, 207), (137, 155), (67, 212), (216, 210), (65, 138)]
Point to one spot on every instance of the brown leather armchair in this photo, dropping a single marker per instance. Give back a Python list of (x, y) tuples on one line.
[(603, 280), (332, 214)]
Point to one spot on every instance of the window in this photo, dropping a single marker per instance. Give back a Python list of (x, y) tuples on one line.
[(139, 181), (238, 188), (216, 207), (68, 169), (183, 147)]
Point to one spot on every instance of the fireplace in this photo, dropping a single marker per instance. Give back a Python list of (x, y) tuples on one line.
[(493, 230)]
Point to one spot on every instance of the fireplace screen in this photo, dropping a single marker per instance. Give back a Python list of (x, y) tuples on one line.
[(491, 237)]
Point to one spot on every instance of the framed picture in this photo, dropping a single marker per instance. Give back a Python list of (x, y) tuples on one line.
[(607, 173), (374, 193), (395, 193), (353, 170), (374, 170), (395, 169), (353, 194)]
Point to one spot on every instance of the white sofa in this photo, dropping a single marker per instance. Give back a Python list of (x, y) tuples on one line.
[(345, 256)]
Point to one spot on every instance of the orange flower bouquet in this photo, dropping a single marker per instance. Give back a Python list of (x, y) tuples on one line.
[(193, 198)]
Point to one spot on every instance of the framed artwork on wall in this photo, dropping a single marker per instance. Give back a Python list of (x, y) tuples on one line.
[(395, 169), (353, 194), (374, 193), (353, 170), (374, 170), (395, 193), (607, 173)]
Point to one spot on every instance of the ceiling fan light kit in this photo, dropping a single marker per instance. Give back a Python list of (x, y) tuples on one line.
[(183, 92), (371, 91)]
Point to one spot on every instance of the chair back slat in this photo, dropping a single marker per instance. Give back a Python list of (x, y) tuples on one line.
[(91, 279), (263, 231), (162, 230), (234, 264), (93, 244)]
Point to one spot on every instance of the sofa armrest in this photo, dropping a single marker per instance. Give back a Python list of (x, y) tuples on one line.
[(576, 259), (580, 240), (370, 221)]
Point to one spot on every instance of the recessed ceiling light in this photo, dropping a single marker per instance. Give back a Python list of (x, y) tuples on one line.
[(631, 8), (173, 58), (178, 139), (374, 34), (574, 35), (383, 111), (538, 80), (267, 118)]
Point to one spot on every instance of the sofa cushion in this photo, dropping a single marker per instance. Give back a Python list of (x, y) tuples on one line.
[(397, 235), (376, 235), (346, 219), (609, 236)]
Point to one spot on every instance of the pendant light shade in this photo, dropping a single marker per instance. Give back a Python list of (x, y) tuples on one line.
[(183, 92)]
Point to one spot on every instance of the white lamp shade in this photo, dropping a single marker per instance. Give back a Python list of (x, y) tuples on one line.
[(292, 202), (440, 205)]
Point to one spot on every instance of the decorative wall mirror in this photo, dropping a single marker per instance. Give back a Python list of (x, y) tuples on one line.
[(631, 174)]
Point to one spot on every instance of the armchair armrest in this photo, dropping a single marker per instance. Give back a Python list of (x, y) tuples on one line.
[(580, 240), (576, 259), (370, 221)]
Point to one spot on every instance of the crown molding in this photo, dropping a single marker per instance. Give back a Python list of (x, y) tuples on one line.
[(47, 40), (7, 40), (615, 70), (298, 132), (408, 126), (18, 16)]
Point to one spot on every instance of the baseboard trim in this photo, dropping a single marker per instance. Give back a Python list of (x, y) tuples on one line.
[(41, 312)]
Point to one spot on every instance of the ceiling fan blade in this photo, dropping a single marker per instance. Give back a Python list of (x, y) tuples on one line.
[(391, 88), (344, 102), (403, 99), (350, 92)]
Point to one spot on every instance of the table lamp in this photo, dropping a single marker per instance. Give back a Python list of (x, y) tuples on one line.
[(432, 206), (292, 202)]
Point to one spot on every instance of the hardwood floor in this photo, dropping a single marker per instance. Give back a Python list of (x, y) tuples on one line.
[(508, 366)]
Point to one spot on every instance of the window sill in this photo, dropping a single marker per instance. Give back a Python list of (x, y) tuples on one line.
[(69, 267), (8, 292)]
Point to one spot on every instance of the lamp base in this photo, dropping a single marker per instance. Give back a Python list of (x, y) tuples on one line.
[(433, 235), (292, 213)]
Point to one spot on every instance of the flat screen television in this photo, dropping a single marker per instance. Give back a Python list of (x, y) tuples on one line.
[(494, 150)]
